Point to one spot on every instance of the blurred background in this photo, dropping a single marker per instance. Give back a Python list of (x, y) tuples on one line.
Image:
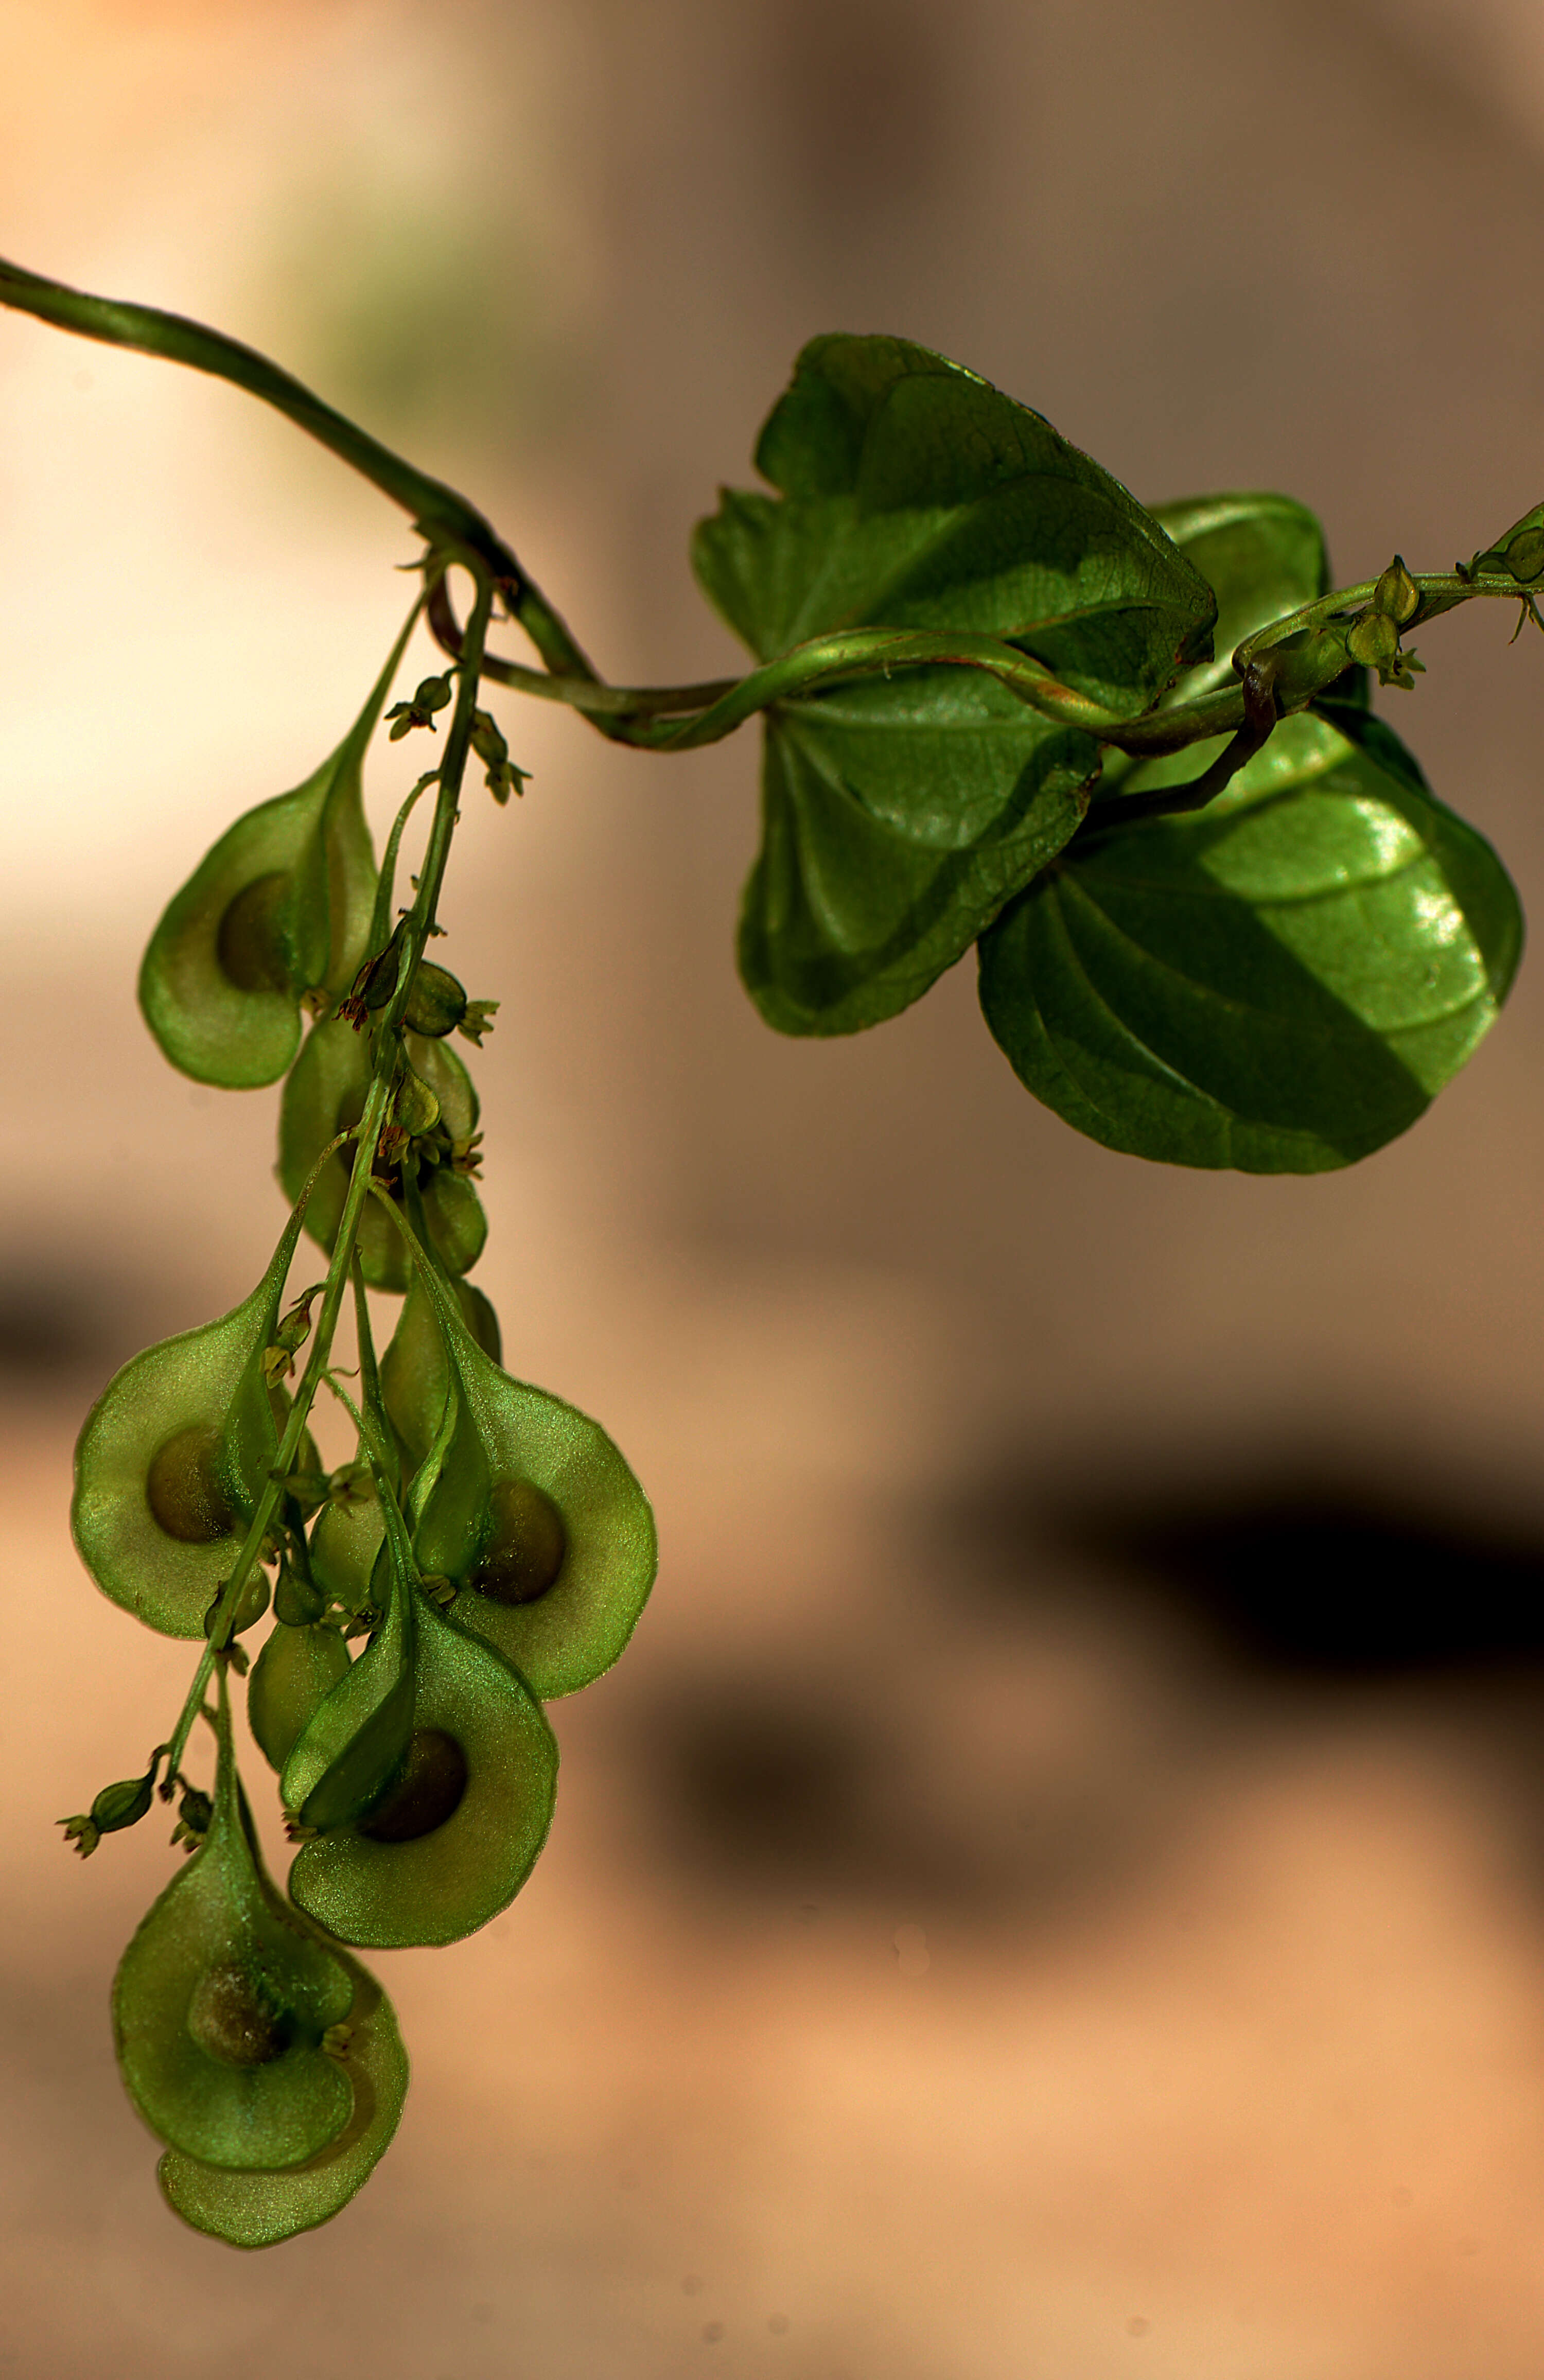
[(1057, 1885)]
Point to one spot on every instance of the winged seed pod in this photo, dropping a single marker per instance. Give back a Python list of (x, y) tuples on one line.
[(258, 2210), (292, 1676), (345, 1541), (456, 1830), (356, 1737), (279, 908), (173, 1458), (534, 1514), (222, 2003), (325, 1095), (415, 1369)]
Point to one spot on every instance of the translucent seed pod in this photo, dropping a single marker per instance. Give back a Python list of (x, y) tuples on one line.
[(258, 2210), (345, 1544), (221, 2004), (414, 1371), (453, 1834), (279, 908), (534, 1514), (436, 1003), (173, 1458), (325, 1095), (291, 1678), (359, 1735)]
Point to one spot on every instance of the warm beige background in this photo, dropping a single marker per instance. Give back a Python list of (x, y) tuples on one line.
[(956, 1960)]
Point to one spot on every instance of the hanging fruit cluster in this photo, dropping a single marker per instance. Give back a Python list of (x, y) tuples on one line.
[(487, 1549)]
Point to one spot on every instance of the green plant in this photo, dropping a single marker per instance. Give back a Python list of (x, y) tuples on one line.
[(1221, 921)]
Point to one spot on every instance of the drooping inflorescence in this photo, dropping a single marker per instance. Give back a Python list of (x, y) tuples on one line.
[(488, 1547)]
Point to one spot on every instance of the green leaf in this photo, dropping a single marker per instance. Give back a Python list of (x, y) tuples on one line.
[(1281, 982), (1263, 556), (900, 812), (849, 915)]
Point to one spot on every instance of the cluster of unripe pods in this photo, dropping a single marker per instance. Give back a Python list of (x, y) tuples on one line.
[(488, 1550)]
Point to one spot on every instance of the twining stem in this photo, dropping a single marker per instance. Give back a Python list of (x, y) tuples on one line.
[(675, 719), (444, 516), (678, 719), (415, 937), (381, 917)]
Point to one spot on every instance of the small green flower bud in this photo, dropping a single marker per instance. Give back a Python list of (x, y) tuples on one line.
[(117, 1806), (1396, 595), (194, 1812), (431, 695), (1374, 640), (478, 1020), (1525, 555), (252, 1604), (296, 1604), (294, 1327), (503, 777), (416, 1109)]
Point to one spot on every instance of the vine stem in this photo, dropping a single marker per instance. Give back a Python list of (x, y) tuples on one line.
[(416, 933), (676, 719), (444, 516)]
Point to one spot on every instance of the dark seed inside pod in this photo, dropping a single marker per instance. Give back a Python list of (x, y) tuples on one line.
[(249, 945), (183, 1489), (526, 1545), (231, 2018), (426, 1790)]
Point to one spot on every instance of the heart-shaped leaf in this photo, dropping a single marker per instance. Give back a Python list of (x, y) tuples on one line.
[(900, 812), (1281, 982)]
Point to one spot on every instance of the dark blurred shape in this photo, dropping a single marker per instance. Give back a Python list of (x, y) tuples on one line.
[(788, 1791), (861, 89), (761, 1779), (64, 1333), (49, 1333), (1309, 1569)]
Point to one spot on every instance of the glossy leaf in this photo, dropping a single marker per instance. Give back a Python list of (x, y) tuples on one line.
[(219, 2008), (899, 813), (1263, 556), (533, 1515), (258, 2210), (173, 1458), (1280, 983), (436, 1867), (325, 1095), (281, 906)]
